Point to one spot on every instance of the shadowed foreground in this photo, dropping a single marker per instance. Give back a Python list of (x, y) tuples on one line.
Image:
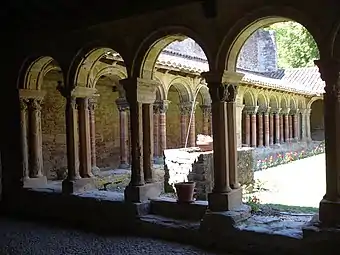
[(18, 237)]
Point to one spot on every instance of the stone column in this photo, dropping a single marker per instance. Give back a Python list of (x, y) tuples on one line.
[(84, 138), (277, 124), (239, 110), (266, 126), (92, 108), (206, 110), (260, 128), (247, 127), (254, 126), (290, 123), (329, 212), (192, 130), (185, 110), (36, 158), (72, 141), (123, 108), (303, 125), (308, 130), (271, 128), (163, 107), (23, 122), (148, 142), (282, 137), (156, 152), (286, 125), (140, 95), (295, 124), (222, 198)]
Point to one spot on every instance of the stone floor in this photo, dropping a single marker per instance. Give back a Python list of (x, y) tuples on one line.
[(299, 183), (17, 237)]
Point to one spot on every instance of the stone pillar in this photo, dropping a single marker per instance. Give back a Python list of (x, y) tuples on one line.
[(84, 138), (260, 128), (36, 158), (247, 127), (23, 122), (290, 123), (123, 108), (206, 110), (271, 128), (253, 126), (308, 130), (163, 107), (148, 142), (239, 110), (286, 124), (184, 111), (222, 198), (277, 125), (282, 137), (303, 125), (92, 108), (329, 212), (156, 152), (140, 95), (295, 124), (192, 130), (72, 141), (266, 126)]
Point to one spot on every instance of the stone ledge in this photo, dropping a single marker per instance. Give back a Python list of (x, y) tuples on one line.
[(169, 207)]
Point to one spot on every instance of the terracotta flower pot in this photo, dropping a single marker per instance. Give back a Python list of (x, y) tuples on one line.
[(185, 192)]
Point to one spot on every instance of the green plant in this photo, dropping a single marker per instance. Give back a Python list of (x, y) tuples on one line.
[(251, 192)]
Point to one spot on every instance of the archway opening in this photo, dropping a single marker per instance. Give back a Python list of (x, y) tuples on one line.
[(176, 62), (276, 56), (317, 121)]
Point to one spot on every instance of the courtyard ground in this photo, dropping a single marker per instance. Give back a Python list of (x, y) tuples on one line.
[(298, 183), (26, 238)]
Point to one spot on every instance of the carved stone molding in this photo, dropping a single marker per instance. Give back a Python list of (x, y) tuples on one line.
[(32, 94), (83, 92), (185, 108), (275, 110), (24, 104), (250, 109), (285, 111), (294, 111), (161, 106), (36, 104), (122, 104), (140, 90), (206, 109)]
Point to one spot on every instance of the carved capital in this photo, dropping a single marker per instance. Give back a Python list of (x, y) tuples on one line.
[(285, 111), (161, 106), (206, 109), (36, 104), (122, 104), (250, 109), (294, 111), (93, 103), (264, 110), (306, 111), (23, 104), (185, 108), (275, 110)]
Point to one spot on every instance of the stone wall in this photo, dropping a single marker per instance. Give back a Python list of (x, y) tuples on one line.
[(197, 166)]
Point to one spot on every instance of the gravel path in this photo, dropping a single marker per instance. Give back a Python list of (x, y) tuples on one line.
[(17, 237)]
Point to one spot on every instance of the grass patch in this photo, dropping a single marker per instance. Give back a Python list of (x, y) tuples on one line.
[(289, 208)]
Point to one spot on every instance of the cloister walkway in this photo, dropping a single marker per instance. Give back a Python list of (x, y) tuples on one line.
[(299, 183)]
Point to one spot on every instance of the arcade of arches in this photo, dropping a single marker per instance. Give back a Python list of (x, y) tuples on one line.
[(89, 108)]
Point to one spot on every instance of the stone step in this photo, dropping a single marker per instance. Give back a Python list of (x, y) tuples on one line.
[(168, 207)]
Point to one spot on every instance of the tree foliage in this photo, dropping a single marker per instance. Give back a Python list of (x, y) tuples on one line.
[(295, 45)]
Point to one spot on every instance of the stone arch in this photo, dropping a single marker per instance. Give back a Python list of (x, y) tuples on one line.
[(204, 91), (244, 28), (153, 44), (273, 101), (161, 90), (183, 89), (86, 66), (293, 103), (262, 100), (311, 101), (284, 102), (249, 98), (33, 71)]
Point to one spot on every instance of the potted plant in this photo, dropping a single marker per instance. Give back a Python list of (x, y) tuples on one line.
[(185, 191)]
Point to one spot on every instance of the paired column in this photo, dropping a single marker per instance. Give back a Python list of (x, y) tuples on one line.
[(206, 110), (123, 108), (277, 125), (271, 128), (266, 126), (226, 194), (286, 124), (253, 122), (140, 95), (308, 130), (163, 108), (295, 124), (24, 127), (92, 108), (329, 212), (185, 110), (192, 128), (260, 127), (239, 110), (303, 125), (35, 150), (247, 125), (156, 151)]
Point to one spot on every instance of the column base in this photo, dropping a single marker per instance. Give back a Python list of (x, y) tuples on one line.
[(124, 166), (80, 185), (139, 194), (213, 222), (219, 202), (37, 182), (95, 170), (329, 213)]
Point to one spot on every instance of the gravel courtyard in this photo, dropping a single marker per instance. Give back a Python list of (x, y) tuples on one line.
[(27, 238), (299, 183)]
